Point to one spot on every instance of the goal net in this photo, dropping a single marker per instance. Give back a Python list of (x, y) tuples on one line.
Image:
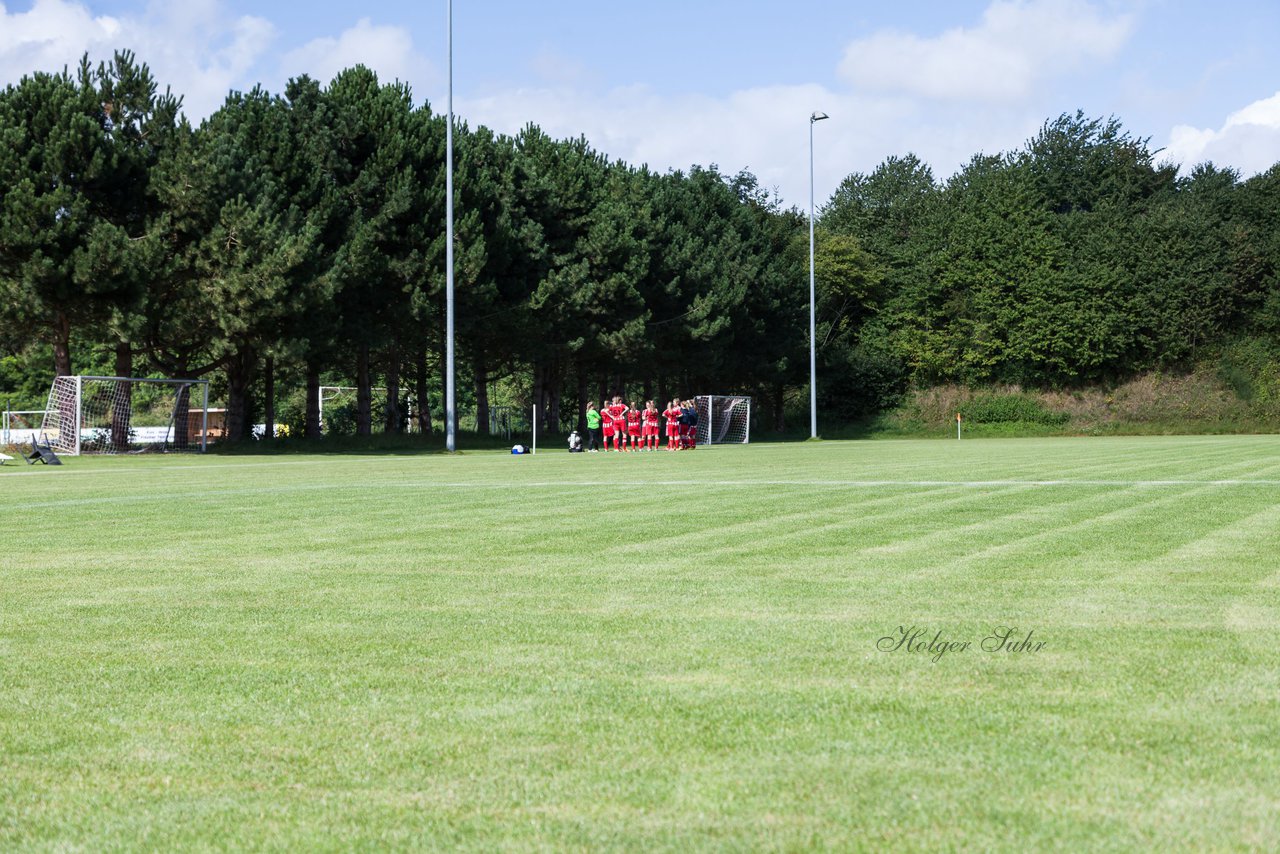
[(723, 419), (118, 415)]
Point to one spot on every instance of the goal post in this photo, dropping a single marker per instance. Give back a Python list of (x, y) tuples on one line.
[(723, 419), (117, 415)]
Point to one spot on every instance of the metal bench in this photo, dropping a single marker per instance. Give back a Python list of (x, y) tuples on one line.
[(41, 453)]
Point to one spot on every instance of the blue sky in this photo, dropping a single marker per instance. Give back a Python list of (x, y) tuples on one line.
[(732, 83)]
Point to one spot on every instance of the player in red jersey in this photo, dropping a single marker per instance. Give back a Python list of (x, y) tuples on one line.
[(635, 426), (618, 412), (606, 423), (620, 423), (672, 414), (650, 426)]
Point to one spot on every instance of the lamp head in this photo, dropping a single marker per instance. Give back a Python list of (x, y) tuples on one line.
[(818, 116)]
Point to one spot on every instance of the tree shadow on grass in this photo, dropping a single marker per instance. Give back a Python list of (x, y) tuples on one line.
[(376, 445)]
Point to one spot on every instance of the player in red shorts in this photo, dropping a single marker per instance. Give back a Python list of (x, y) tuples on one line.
[(606, 423), (672, 414), (617, 411), (650, 438), (635, 426)]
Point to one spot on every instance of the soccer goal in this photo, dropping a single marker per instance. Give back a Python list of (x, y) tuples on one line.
[(340, 400), (20, 425), (120, 415), (723, 419)]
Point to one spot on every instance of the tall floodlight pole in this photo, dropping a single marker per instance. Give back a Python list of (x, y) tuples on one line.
[(813, 311), (450, 414)]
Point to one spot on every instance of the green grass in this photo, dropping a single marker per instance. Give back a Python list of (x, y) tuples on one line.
[(646, 652)]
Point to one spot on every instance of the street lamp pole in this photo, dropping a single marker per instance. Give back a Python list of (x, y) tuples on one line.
[(450, 414), (813, 324)]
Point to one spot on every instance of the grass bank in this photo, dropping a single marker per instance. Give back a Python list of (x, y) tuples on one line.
[(1202, 402)]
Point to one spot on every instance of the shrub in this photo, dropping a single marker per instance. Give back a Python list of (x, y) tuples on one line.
[(989, 408)]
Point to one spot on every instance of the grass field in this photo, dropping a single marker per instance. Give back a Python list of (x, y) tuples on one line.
[(647, 652)]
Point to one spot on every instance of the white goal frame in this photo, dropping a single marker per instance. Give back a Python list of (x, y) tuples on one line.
[(64, 413), (717, 415)]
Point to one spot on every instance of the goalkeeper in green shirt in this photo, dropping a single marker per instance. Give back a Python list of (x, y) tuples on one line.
[(593, 427)]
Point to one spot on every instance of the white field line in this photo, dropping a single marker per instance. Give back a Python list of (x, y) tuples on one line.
[(381, 487), (876, 483), (854, 484), (45, 471), (341, 459), (693, 482), (701, 482)]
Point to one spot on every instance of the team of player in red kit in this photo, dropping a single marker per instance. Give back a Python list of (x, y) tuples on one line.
[(641, 426)]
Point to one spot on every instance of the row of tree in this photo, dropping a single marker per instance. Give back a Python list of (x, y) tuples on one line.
[(302, 235), (1079, 259), (296, 239)]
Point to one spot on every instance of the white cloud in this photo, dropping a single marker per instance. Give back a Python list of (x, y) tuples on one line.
[(1002, 59), (1249, 140), (196, 47), (388, 50), (764, 130), (53, 34), (968, 90), (200, 49), (643, 127), (944, 98)]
